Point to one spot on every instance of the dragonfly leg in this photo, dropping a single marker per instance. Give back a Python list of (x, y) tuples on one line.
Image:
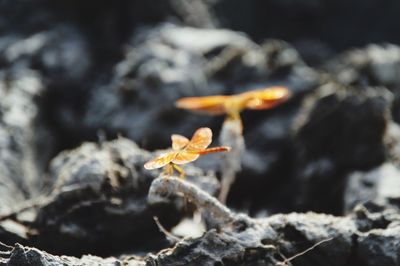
[(168, 170), (180, 171), (235, 116)]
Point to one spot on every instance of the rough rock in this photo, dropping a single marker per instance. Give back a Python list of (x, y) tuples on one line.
[(107, 181), (76, 71), (19, 174), (243, 241), (341, 130), (374, 65), (33, 64), (163, 65), (379, 186), (19, 255), (267, 241), (171, 61), (59, 53)]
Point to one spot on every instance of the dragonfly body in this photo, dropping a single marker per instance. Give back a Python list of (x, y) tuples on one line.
[(184, 151), (232, 105)]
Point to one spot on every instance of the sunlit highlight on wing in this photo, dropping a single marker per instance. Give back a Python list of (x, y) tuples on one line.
[(184, 157), (184, 151), (266, 98), (200, 140), (223, 104), (209, 104), (179, 142), (160, 161)]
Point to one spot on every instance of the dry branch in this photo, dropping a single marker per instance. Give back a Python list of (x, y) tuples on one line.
[(214, 212), (231, 136)]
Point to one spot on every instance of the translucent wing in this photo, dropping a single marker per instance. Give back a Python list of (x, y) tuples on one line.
[(266, 98), (179, 142), (200, 140), (160, 161), (184, 157), (209, 104)]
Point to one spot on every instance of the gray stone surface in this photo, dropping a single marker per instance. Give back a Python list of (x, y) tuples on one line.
[(99, 189), (261, 242), (19, 255), (380, 186), (74, 72), (339, 130), (19, 154)]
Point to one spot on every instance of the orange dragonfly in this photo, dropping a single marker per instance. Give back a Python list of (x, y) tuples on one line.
[(184, 151), (232, 105)]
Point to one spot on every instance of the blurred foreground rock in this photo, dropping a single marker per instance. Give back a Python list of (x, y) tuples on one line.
[(74, 71), (20, 130), (340, 130), (377, 187), (357, 239), (96, 190), (20, 255)]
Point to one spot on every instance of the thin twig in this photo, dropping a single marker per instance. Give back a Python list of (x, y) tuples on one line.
[(231, 136), (171, 237), (303, 252)]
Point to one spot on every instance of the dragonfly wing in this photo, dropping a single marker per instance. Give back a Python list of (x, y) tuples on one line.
[(200, 140), (208, 104), (179, 142), (266, 98), (160, 161), (184, 157)]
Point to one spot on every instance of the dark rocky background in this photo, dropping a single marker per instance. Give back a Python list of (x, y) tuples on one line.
[(87, 91)]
